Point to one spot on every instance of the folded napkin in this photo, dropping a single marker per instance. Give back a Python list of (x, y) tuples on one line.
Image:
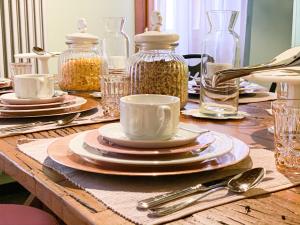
[(121, 194), (89, 117)]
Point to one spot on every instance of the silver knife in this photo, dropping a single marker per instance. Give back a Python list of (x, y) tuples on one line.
[(161, 199)]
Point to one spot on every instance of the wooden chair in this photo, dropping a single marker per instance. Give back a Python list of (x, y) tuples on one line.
[(195, 70), (11, 214)]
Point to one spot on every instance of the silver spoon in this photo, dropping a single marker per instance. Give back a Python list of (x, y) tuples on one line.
[(238, 184), (41, 51), (60, 122)]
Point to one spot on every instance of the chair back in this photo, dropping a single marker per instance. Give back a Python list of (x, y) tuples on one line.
[(195, 70)]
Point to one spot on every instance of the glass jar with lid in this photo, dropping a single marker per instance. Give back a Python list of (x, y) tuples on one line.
[(81, 65), (156, 68)]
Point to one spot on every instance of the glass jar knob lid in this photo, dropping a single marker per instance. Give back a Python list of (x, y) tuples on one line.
[(155, 37), (81, 36)]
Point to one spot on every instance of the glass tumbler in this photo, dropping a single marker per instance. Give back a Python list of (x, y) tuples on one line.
[(287, 135), (20, 68), (221, 44), (114, 85)]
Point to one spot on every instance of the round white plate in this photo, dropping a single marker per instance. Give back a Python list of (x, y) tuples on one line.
[(196, 113), (11, 98), (77, 102), (67, 99), (222, 145), (113, 132), (286, 74)]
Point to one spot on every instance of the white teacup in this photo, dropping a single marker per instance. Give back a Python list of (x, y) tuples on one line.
[(34, 86), (149, 117)]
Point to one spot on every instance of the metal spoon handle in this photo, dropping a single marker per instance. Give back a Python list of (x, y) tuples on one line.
[(162, 211)]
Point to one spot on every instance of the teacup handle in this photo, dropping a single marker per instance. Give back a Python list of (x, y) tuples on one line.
[(166, 110)]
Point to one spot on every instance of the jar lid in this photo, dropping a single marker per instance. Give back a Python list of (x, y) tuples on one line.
[(155, 39), (81, 37)]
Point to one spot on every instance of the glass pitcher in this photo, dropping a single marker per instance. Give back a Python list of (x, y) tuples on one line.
[(222, 44), (116, 42)]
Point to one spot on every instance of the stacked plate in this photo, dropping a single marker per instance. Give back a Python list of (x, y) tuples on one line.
[(60, 103), (107, 150), (247, 89)]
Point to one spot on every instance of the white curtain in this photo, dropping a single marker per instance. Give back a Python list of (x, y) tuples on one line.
[(188, 19)]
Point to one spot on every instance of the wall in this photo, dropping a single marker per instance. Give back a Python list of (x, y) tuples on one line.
[(270, 30), (61, 18), (296, 24)]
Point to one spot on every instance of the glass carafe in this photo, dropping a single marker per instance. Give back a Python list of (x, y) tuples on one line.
[(116, 42), (222, 44)]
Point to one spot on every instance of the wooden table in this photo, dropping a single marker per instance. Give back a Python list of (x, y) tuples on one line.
[(75, 206)]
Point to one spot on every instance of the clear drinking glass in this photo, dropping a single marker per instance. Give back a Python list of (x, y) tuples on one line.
[(114, 85), (20, 68), (222, 45), (287, 135)]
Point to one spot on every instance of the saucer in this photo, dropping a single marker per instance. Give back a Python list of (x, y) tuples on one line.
[(94, 140), (11, 98), (75, 104), (68, 99), (196, 113), (222, 145), (113, 132)]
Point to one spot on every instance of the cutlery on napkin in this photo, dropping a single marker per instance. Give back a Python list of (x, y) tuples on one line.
[(288, 58), (167, 197)]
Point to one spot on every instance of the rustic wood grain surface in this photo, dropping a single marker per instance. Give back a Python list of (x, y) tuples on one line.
[(75, 207)]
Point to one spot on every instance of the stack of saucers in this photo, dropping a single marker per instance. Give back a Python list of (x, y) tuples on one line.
[(108, 150), (60, 103)]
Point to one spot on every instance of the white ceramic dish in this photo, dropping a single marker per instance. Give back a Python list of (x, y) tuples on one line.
[(113, 133), (222, 145), (196, 113), (94, 140), (287, 75), (78, 101), (11, 98), (67, 100)]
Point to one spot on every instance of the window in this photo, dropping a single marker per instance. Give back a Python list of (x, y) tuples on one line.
[(188, 19)]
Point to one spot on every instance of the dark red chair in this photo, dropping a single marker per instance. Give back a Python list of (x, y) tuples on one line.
[(11, 214)]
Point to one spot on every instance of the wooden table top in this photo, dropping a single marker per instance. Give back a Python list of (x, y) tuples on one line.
[(75, 206)]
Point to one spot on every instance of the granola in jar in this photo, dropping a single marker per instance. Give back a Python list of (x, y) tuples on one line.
[(81, 74), (161, 77)]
